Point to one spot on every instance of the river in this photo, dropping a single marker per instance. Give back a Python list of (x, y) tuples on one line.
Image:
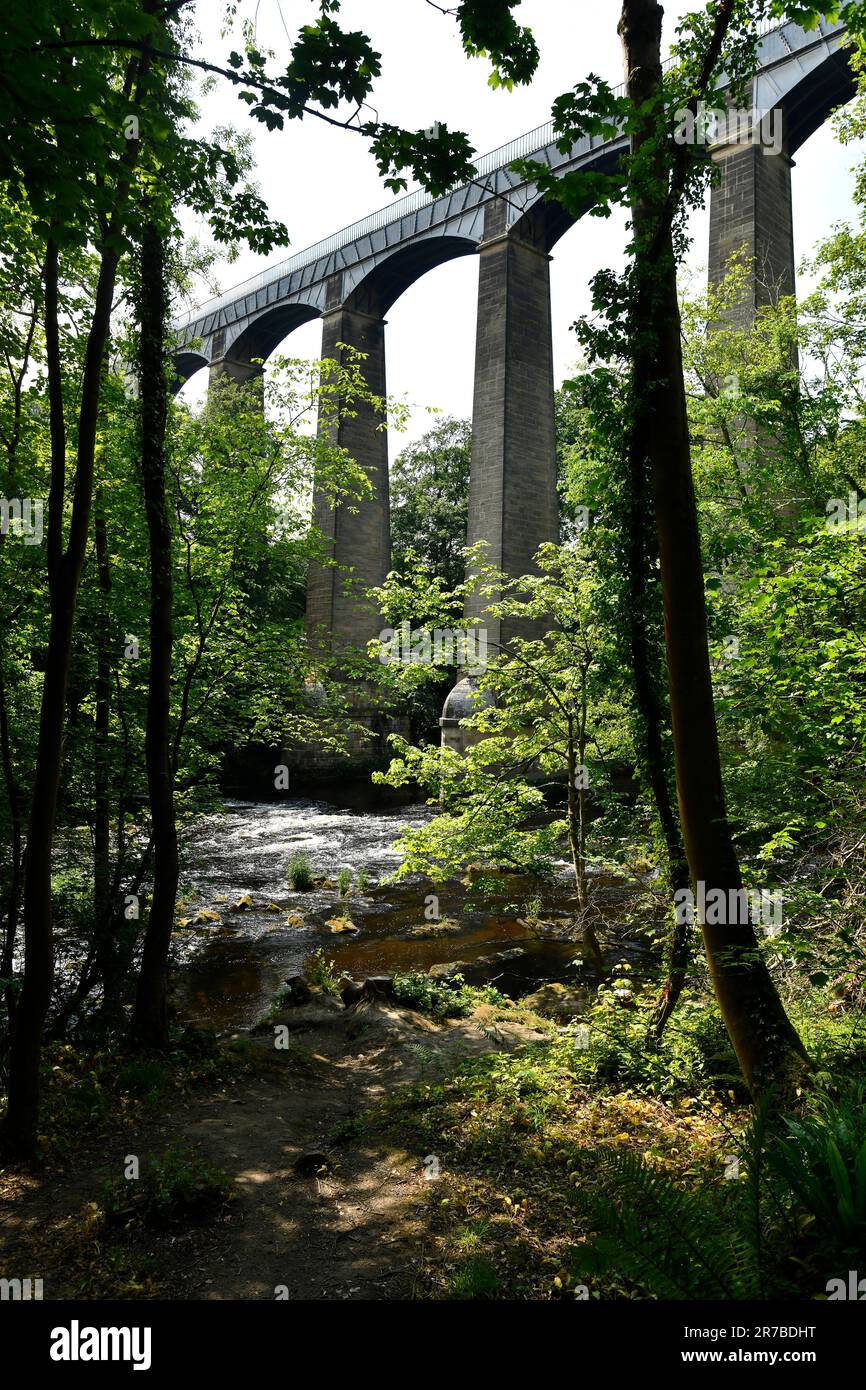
[(228, 971)]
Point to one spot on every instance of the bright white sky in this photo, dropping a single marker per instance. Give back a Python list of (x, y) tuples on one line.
[(317, 179)]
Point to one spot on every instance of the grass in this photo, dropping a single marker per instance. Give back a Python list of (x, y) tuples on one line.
[(321, 972), (299, 873), (344, 882), (477, 1278), (526, 1144)]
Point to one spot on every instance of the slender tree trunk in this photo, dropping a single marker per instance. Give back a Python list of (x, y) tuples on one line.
[(12, 904), (150, 1014), (18, 1132), (647, 665), (101, 800), (576, 753), (96, 964), (767, 1046)]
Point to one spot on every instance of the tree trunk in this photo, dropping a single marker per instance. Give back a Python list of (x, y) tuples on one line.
[(12, 905), (767, 1046), (150, 1015), (647, 665), (18, 1131), (101, 802), (576, 752)]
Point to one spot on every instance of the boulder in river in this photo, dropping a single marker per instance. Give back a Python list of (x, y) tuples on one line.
[(482, 970), (340, 926), (555, 1001), (428, 931)]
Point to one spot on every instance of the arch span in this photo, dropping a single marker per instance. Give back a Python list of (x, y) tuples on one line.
[(383, 285), (546, 221), (265, 333), (809, 103), (186, 364)]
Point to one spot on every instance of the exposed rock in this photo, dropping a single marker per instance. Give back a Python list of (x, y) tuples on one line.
[(271, 907), (243, 904), (204, 919), (555, 1001), (428, 931), (295, 919), (374, 987), (479, 971), (352, 993), (298, 990), (340, 926), (379, 986), (319, 1011), (307, 1165)]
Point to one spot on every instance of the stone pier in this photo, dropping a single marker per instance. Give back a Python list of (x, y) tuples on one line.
[(358, 531)]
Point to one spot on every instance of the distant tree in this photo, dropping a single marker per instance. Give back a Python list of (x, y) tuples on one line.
[(429, 495)]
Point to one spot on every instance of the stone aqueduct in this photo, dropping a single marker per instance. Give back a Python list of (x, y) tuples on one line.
[(351, 279)]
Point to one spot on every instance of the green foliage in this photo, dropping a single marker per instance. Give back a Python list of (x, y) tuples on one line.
[(429, 495), (321, 973), (694, 1059), (179, 1187), (542, 713), (299, 874), (733, 1239), (821, 1160), (442, 999), (344, 882), (668, 1242)]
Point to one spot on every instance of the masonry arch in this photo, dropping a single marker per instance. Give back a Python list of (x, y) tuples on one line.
[(382, 286)]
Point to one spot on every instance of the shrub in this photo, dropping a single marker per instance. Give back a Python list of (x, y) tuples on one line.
[(442, 998), (299, 873), (795, 1218), (321, 972), (179, 1186)]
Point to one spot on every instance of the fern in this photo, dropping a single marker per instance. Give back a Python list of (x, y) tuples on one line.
[(726, 1240), (670, 1243)]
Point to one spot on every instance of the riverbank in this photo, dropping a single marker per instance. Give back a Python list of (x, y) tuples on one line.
[(377, 1152), (241, 928), (249, 1183)]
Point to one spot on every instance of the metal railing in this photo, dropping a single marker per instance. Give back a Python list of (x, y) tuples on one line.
[(500, 158)]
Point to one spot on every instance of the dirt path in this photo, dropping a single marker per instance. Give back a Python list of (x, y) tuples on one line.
[(348, 1224)]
